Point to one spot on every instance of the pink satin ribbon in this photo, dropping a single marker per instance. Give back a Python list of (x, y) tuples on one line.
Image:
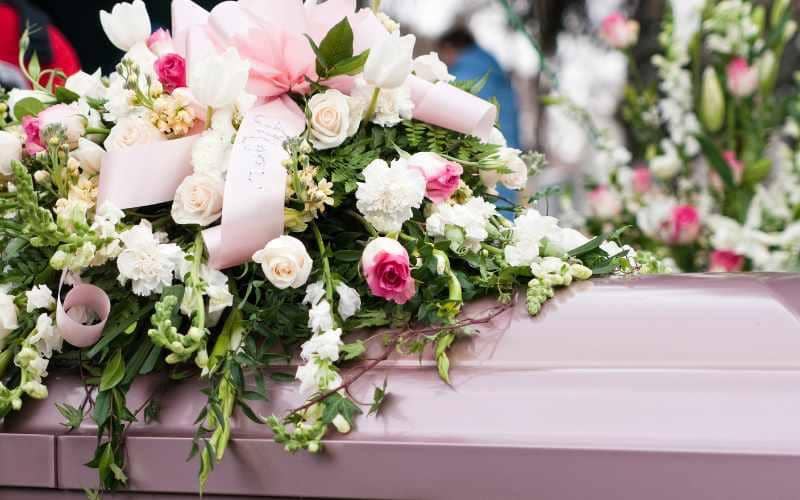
[(81, 295)]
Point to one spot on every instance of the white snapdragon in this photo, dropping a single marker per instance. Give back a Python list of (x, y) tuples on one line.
[(320, 317), (530, 229), (314, 293), (46, 338), (472, 219), (148, 263), (732, 28), (388, 194), (324, 346), (349, 301), (317, 376), (216, 289), (40, 297), (8, 315)]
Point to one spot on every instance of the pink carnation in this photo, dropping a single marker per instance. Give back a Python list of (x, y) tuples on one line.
[(443, 177), (171, 71), (387, 269), (725, 261), (33, 141)]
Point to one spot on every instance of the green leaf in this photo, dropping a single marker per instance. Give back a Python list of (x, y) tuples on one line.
[(336, 47), (66, 96), (443, 343), (595, 243), (73, 415), (119, 475), (717, 161), (350, 66), (113, 372), (152, 411), (476, 87), (336, 404), (378, 398), (30, 106), (354, 350), (347, 256), (102, 408)]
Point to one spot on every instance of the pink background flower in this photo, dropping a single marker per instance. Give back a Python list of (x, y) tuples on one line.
[(642, 180), (684, 225), (725, 261), (618, 31), (742, 78), (605, 203)]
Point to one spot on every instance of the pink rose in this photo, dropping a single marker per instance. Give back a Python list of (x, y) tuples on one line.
[(642, 180), (618, 31), (725, 261), (160, 43), (33, 140), (171, 71), (684, 225), (443, 176), (387, 269), (742, 78), (605, 203)]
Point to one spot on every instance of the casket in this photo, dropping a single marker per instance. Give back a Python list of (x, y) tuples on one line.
[(656, 388)]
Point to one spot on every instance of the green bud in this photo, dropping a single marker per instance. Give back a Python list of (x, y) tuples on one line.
[(712, 110), (580, 272), (778, 10), (767, 71), (756, 171), (760, 17)]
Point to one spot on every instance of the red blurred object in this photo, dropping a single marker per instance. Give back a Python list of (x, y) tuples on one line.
[(62, 54)]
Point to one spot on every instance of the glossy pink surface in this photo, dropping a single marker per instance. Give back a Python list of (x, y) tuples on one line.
[(650, 387)]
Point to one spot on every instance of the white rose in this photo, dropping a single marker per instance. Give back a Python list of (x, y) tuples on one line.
[(67, 116), (389, 62), (665, 167), (90, 155), (8, 316), (219, 80), (349, 301), (40, 297), (198, 200), (331, 119), (517, 179), (429, 67), (127, 24), (324, 346), (210, 153), (10, 150), (286, 262), (132, 130), (86, 85)]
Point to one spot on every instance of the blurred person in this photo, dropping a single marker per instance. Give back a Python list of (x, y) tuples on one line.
[(52, 47), (468, 61)]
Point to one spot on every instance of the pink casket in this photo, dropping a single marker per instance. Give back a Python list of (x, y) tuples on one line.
[(656, 388)]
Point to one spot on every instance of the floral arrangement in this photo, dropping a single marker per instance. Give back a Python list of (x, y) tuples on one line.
[(714, 182), (234, 199)]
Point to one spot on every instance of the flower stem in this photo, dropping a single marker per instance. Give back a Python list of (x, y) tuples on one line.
[(5, 359), (97, 131), (376, 6), (373, 104), (200, 307), (326, 265), (209, 116)]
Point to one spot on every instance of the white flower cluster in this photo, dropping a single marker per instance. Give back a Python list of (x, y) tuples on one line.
[(535, 235), (394, 104), (389, 193), (733, 30), (677, 104), (471, 221)]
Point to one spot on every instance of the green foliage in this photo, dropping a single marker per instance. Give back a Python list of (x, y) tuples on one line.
[(74, 416)]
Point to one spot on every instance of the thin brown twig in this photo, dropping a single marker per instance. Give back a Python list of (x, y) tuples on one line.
[(398, 339)]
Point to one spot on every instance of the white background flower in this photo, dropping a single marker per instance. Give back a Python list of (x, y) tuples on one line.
[(517, 178), (149, 264), (388, 194), (285, 262), (198, 200), (127, 24)]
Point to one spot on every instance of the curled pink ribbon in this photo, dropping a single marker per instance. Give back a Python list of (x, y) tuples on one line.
[(87, 296)]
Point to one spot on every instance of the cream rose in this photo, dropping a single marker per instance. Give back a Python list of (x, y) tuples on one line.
[(198, 200), (286, 262), (334, 118), (10, 150), (132, 131)]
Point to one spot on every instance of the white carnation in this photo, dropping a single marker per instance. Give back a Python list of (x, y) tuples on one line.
[(210, 153), (349, 301), (394, 105), (324, 346), (472, 218), (530, 229), (46, 338), (320, 317), (149, 264), (40, 297), (388, 194)]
